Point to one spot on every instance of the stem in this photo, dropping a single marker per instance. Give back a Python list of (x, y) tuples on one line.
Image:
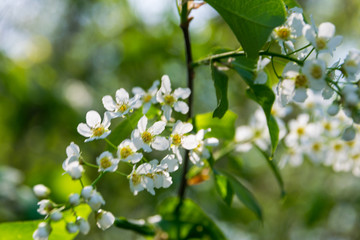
[(300, 49), (110, 143), (184, 25), (98, 178), (236, 53)]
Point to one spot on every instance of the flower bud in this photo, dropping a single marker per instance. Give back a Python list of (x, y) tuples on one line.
[(74, 199), (349, 134), (86, 192), (72, 227), (56, 215), (104, 219), (84, 226), (42, 232), (333, 109), (45, 206), (41, 191), (95, 201)]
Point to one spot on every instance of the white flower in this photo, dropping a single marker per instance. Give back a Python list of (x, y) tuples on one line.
[(72, 227), (45, 206), (261, 76), (315, 71), (178, 138), (293, 155), (323, 38), (300, 130), (86, 192), (351, 95), (127, 152), (294, 84), (146, 98), (201, 152), (74, 199), (74, 169), (71, 165), (351, 65), (106, 162), (170, 163), (94, 128), (84, 226), (160, 176), (42, 232), (56, 215), (290, 30), (104, 219), (41, 191), (95, 201), (123, 103), (168, 99), (140, 180), (144, 137)]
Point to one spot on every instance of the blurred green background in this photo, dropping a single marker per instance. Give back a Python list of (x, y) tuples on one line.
[(59, 58)]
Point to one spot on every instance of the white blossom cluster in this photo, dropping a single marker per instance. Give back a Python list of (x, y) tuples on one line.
[(312, 135), (158, 134), (308, 68)]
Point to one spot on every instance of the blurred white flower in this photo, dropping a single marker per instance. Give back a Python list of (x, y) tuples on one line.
[(74, 199), (201, 151), (41, 191), (179, 139), (106, 162), (140, 179), (83, 225), (104, 219), (42, 232), (72, 227), (146, 98), (45, 206), (351, 65), (123, 105), (315, 71)]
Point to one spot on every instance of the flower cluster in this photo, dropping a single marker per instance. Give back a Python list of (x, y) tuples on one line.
[(159, 133)]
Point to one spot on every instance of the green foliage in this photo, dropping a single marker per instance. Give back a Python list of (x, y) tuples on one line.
[(220, 128), (136, 226), (245, 196), (221, 87), (291, 3), (24, 230), (223, 187), (252, 21), (261, 94), (187, 221)]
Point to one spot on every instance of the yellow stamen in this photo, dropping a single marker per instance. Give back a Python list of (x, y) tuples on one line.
[(301, 81), (125, 152), (105, 162), (146, 137), (97, 132), (169, 100)]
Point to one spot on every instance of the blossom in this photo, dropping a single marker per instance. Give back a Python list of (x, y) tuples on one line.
[(74, 199), (351, 65), (72, 227), (94, 128), (201, 151), (127, 152), (104, 219), (95, 201), (261, 76), (170, 163), (178, 138), (123, 104), (56, 215), (160, 176), (45, 206), (86, 192), (42, 232), (315, 71), (72, 165), (290, 30), (145, 137), (106, 162), (322, 38), (168, 99), (83, 225), (146, 98), (140, 180), (41, 191)]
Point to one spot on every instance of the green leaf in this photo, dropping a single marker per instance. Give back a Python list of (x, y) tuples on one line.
[(187, 221), (224, 188), (252, 21), (220, 128), (25, 229), (245, 196), (125, 127), (274, 169), (221, 86), (261, 94), (138, 226)]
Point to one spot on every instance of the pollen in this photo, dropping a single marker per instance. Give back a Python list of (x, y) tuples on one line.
[(105, 162), (97, 132), (147, 98), (283, 33), (146, 137), (338, 147), (301, 80), (321, 43), (316, 147), (316, 71), (136, 179), (327, 126), (169, 100), (125, 152), (300, 131), (122, 108), (176, 139)]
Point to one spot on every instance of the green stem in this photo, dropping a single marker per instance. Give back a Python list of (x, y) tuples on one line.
[(110, 143), (308, 55), (207, 60), (300, 49), (98, 178), (89, 164)]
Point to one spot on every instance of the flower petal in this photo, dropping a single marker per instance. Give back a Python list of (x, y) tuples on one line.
[(165, 84), (157, 128), (181, 106), (182, 93), (189, 142), (122, 96), (93, 118), (84, 130), (326, 30), (167, 111), (160, 143), (109, 103), (142, 124)]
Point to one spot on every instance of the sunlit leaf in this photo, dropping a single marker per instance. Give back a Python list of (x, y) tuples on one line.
[(221, 87), (224, 188), (139, 226), (188, 220), (252, 21), (220, 128), (245, 196), (291, 3)]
